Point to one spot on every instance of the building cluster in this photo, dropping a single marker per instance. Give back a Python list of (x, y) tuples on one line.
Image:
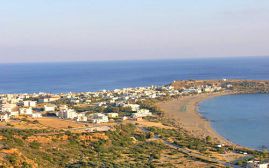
[(62, 105), (14, 105), (201, 89), (257, 164)]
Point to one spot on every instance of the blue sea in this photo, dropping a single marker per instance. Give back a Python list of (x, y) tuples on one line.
[(93, 76), (243, 119)]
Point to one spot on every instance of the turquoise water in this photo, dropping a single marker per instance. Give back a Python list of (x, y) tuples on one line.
[(242, 119)]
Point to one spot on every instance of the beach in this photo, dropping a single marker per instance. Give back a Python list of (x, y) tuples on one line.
[(184, 111)]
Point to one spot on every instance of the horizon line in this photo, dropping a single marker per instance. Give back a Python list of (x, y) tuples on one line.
[(131, 60)]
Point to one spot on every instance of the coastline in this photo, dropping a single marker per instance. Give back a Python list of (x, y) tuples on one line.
[(185, 112)]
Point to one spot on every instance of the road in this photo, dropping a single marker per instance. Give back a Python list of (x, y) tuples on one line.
[(199, 156)]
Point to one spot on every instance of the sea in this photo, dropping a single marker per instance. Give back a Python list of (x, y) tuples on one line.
[(243, 119), (108, 75)]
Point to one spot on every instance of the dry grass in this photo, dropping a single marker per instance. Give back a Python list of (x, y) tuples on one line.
[(19, 124), (179, 160), (145, 123), (59, 123)]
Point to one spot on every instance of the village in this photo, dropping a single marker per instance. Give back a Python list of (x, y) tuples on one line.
[(93, 107)]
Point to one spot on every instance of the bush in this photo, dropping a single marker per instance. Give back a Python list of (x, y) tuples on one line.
[(11, 158), (35, 122), (150, 135), (26, 165), (9, 125), (35, 145), (208, 139), (156, 155)]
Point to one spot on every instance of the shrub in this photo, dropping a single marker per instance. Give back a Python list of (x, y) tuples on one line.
[(11, 158), (35, 122), (26, 165), (35, 145)]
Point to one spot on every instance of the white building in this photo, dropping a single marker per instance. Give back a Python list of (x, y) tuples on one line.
[(208, 89), (82, 117), (98, 129), (49, 108), (13, 113), (134, 107), (63, 107), (74, 100), (29, 103), (218, 88), (256, 164), (48, 99), (98, 118), (36, 115), (124, 118), (67, 114), (4, 117), (8, 107), (44, 100), (142, 113), (26, 111), (112, 115), (229, 86), (192, 90)]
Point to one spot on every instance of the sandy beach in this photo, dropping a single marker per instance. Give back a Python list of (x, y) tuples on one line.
[(184, 111)]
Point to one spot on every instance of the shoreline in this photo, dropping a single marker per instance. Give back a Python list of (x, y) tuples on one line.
[(185, 112)]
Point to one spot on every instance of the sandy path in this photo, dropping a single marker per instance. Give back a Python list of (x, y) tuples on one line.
[(184, 110)]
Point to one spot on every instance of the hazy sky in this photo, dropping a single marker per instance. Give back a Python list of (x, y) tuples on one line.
[(68, 30)]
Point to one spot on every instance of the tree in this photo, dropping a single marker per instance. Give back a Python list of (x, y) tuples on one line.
[(208, 139)]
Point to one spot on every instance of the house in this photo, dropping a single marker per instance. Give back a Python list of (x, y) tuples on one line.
[(229, 86), (219, 145), (43, 100), (8, 107), (67, 114), (112, 115), (120, 104), (256, 164), (208, 89), (48, 99), (13, 113), (217, 88), (49, 107), (98, 118), (81, 117), (134, 107), (63, 107), (192, 90), (36, 115), (26, 111), (74, 100), (4, 117), (101, 104), (142, 113), (98, 129), (29, 103), (124, 118)]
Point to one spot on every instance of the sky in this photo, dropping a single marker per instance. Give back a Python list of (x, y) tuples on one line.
[(90, 30)]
